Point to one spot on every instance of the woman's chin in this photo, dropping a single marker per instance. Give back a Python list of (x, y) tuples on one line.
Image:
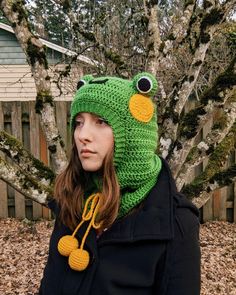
[(91, 167)]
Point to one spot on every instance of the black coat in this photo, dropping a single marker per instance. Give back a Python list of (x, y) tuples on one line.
[(153, 251)]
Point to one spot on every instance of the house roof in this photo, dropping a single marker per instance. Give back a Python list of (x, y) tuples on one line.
[(55, 47)]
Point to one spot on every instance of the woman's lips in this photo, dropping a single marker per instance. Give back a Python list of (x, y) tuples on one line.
[(85, 152)]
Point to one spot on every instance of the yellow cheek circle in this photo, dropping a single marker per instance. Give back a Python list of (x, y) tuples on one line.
[(141, 107)]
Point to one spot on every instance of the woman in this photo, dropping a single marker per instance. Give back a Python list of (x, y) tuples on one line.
[(121, 227)]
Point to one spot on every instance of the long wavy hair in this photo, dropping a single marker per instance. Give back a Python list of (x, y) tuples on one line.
[(72, 183)]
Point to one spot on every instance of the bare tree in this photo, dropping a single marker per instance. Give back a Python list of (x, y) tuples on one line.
[(28, 183), (179, 50)]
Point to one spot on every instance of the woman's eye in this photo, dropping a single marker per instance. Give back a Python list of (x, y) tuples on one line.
[(78, 123), (101, 121)]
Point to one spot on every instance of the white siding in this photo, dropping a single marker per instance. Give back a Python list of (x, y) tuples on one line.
[(16, 83)]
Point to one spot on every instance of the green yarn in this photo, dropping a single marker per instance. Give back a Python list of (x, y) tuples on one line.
[(137, 166)]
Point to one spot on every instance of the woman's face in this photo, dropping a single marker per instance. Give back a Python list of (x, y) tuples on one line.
[(94, 140)]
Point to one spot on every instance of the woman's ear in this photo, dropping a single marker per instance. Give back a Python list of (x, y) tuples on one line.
[(145, 83), (84, 80)]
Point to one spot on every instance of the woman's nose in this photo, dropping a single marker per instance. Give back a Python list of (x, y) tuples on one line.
[(85, 133)]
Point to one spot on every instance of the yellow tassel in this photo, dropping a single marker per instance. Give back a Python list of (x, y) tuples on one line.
[(69, 245), (79, 259)]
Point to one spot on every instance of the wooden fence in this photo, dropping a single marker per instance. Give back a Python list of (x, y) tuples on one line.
[(20, 119), (222, 205)]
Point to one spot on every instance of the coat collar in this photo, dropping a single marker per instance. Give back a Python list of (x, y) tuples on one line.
[(153, 221)]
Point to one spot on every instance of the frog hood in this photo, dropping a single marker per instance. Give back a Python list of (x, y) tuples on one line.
[(128, 108)]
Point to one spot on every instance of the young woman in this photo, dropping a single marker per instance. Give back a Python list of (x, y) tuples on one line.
[(121, 227)]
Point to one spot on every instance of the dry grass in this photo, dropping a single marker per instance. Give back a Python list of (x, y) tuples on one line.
[(24, 247)]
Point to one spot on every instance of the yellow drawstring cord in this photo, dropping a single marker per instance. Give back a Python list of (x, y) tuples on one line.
[(69, 245)]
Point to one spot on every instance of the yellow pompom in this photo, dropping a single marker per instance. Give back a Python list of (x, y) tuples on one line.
[(79, 259), (67, 244), (141, 107)]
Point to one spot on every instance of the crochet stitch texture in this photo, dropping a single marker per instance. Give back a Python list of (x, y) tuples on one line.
[(131, 114)]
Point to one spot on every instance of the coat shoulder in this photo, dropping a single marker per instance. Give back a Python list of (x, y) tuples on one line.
[(186, 214)]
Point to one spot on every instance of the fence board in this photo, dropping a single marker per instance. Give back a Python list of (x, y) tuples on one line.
[(35, 149), (220, 204), (44, 158), (3, 185), (68, 139), (234, 193), (234, 208), (208, 211), (17, 132), (26, 143), (61, 119), (10, 190)]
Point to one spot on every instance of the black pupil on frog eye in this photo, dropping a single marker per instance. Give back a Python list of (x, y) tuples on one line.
[(144, 85), (80, 84)]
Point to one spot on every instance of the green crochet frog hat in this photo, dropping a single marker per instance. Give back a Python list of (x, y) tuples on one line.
[(128, 108)]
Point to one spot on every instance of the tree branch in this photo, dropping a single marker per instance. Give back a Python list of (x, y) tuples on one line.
[(24, 160), (24, 183), (219, 95), (180, 27), (107, 53), (154, 39), (206, 147), (219, 180), (193, 123), (208, 25), (208, 180), (202, 199)]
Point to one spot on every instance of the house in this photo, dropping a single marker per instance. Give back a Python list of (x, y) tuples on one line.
[(16, 81)]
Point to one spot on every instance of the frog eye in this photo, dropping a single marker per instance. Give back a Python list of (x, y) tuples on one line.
[(144, 84), (80, 84)]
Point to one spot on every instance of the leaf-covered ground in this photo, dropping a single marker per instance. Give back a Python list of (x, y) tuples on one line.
[(24, 247)]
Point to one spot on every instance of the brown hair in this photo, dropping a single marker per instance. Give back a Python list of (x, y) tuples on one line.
[(72, 183)]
